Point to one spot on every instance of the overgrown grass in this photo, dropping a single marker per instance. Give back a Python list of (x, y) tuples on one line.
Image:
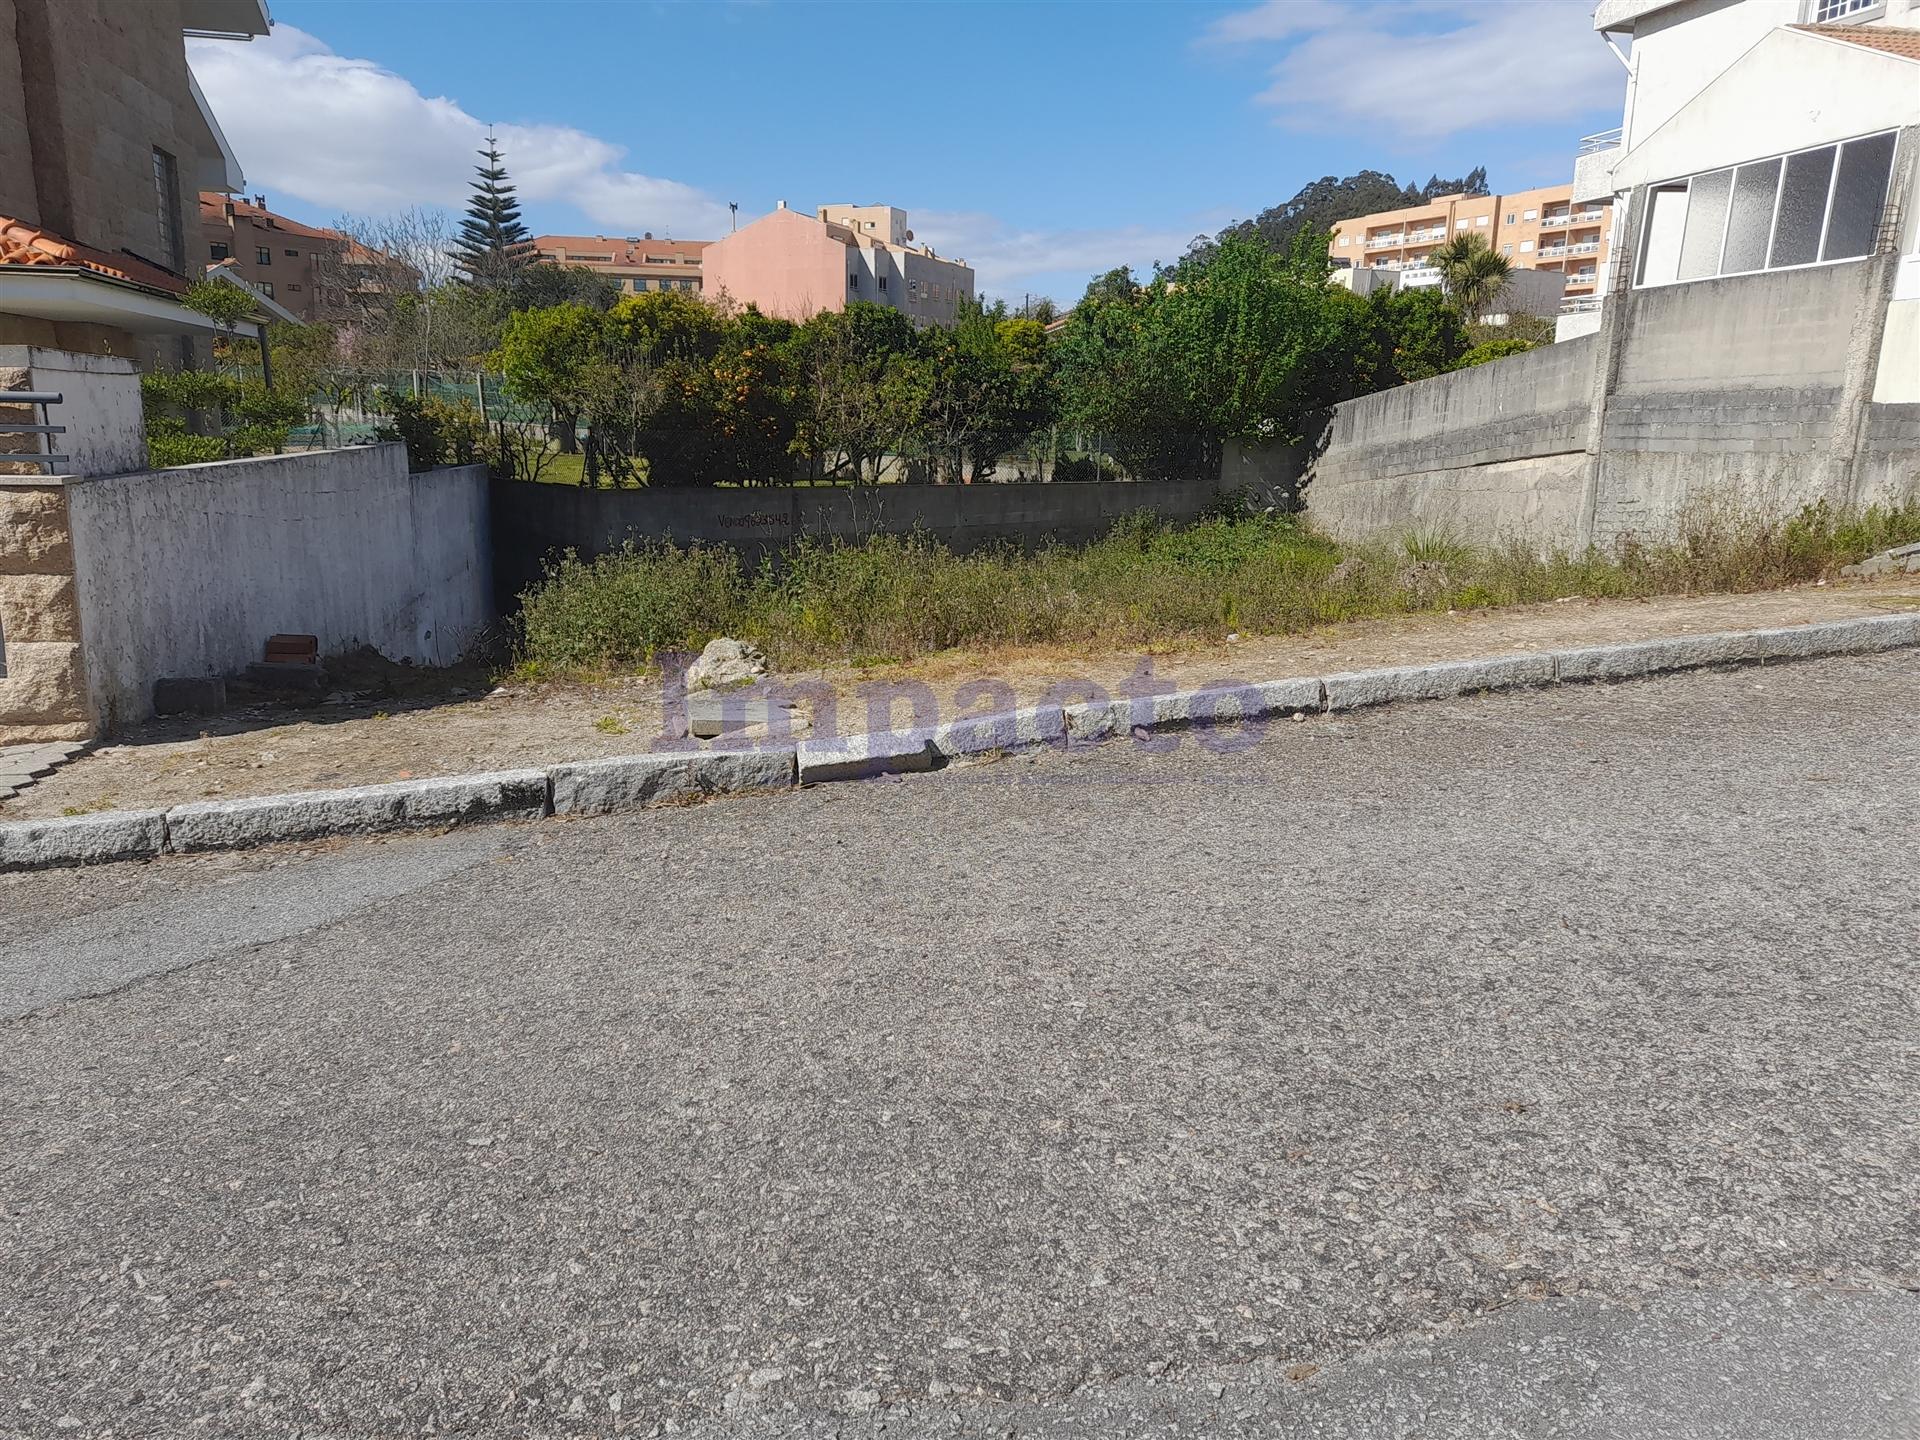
[(894, 598)]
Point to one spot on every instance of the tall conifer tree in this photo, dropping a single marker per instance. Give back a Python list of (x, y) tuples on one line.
[(493, 244)]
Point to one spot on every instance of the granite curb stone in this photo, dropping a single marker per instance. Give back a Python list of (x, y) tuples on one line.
[(1356, 688), (1008, 730), (632, 782), (315, 814), (859, 757), (83, 839), (1208, 705), (593, 787)]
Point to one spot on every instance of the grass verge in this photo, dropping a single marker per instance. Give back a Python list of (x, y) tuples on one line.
[(893, 598)]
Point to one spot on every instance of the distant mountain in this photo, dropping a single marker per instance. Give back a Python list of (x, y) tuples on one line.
[(1329, 200)]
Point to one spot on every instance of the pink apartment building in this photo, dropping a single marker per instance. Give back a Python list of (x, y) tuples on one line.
[(794, 265)]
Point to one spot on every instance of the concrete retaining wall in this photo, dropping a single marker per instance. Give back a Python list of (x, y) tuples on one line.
[(188, 571), (534, 521), (1755, 387), (1495, 450)]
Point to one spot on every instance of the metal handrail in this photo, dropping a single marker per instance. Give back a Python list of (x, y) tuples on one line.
[(1602, 140), (44, 399)]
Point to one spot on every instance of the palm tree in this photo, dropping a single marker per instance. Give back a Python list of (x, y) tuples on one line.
[(1472, 273)]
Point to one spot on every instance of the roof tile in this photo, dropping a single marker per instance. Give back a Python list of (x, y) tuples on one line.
[(1886, 38), (24, 244)]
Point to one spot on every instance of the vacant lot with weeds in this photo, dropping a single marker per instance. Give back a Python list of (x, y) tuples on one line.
[(895, 598)]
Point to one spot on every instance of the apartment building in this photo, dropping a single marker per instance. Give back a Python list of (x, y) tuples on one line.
[(1539, 229), (636, 263), (284, 260), (794, 265), (104, 136)]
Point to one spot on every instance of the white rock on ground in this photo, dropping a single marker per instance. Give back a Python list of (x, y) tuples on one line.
[(725, 662)]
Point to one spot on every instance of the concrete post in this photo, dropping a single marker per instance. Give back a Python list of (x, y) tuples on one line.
[(1616, 319), (1842, 466)]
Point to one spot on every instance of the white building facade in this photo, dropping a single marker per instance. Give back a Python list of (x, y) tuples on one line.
[(1761, 135)]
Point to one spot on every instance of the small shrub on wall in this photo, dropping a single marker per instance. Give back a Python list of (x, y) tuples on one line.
[(194, 416)]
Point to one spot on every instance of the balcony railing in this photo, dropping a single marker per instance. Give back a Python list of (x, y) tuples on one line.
[(1604, 140), (46, 429)]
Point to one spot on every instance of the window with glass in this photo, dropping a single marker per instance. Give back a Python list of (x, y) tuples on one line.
[(1828, 12), (1810, 207), (262, 255), (166, 207), (220, 252)]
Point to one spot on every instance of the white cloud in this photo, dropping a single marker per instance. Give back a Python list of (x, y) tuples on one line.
[(1008, 260), (349, 136), (1423, 69)]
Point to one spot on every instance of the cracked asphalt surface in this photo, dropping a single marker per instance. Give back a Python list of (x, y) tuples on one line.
[(1533, 1065)]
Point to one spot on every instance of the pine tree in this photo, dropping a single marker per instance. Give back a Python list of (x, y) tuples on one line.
[(493, 244)]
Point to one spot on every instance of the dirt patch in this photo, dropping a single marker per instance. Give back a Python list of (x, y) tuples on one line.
[(384, 722)]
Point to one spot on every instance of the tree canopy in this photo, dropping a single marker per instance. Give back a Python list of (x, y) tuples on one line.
[(1327, 201), (1473, 273)]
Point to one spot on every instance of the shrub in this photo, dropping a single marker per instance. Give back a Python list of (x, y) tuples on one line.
[(1495, 350), (1146, 582), (242, 417), (434, 431)]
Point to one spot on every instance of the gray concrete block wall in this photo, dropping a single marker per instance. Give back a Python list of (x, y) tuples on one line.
[(1732, 387), (1541, 381), (532, 522), (1730, 422), (1788, 328), (1890, 459)]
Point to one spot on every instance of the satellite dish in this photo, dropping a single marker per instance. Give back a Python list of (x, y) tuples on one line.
[(909, 235)]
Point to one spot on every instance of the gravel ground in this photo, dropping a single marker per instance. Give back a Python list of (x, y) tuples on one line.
[(1465, 1069)]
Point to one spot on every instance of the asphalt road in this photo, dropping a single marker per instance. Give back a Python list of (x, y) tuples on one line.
[(1537, 1065)]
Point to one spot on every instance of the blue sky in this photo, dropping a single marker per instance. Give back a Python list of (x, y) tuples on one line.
[(1041, 142)]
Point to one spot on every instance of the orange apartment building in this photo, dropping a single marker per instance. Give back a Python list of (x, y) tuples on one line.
[(1536, 229), (637, 263), (280, 258)]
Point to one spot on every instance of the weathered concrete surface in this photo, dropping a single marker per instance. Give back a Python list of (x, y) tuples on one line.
[(188, 571), (1733, 390), (632, 782), (1578, 1019), (82, 839), (106, 431), (533, 521), (407, 804)]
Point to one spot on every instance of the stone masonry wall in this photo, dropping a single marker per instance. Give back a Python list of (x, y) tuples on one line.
[(43, 692)]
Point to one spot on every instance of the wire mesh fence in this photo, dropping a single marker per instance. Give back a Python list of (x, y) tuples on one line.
[(356, 404)]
